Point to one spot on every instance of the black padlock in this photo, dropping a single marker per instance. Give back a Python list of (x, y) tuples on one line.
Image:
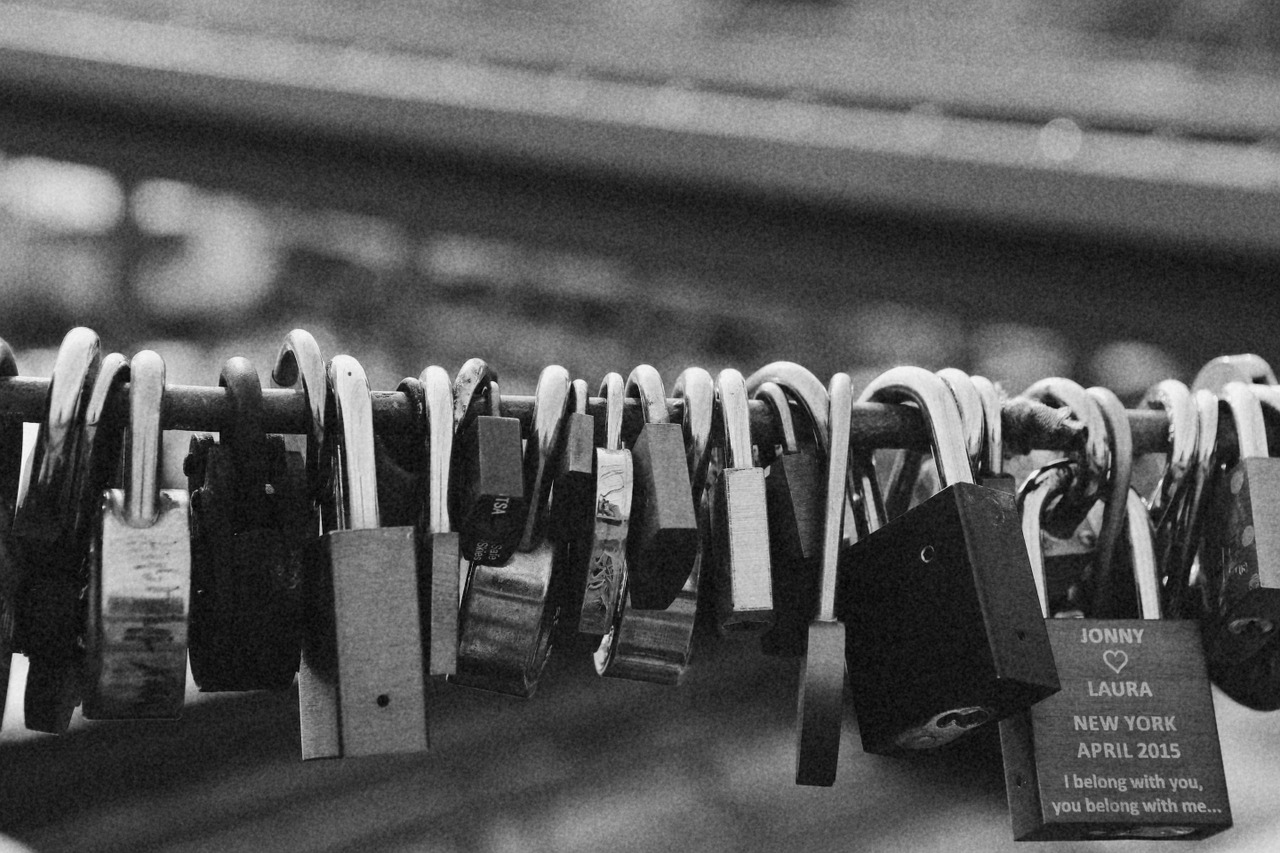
[(945, 632), (1129, 747), (654, 645), (1241, 561), (250, 520), (11, 571), (662, 543), (795, 487), (572, 511), (50, 601), (487, 496)]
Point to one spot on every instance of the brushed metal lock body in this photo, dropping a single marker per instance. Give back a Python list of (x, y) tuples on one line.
[(662, 542), (739, 520), (361, 685), (945, 632), (488, 494), (1129, 747)]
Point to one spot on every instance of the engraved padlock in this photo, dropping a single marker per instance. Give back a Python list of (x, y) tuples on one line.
[(361, 687), (945, 633), (662, 543), (140, 581), (795, 488), (646, 644), (506, 617), (487, 492), (1241, 561), (249, 526), (739, 520), (607, 564), (1129, 747)]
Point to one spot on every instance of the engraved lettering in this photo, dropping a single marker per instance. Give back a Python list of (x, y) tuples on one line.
[(1119, 689)]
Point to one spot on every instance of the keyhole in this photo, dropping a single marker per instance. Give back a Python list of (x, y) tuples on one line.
[(384, 700), (926, 554)]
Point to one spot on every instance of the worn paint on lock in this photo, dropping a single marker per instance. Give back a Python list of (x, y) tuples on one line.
[(1128, 748)]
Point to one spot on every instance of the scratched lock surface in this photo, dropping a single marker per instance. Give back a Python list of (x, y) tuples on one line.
[(1132, 737)]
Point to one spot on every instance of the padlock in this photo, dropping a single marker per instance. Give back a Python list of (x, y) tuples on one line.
[(1129, 747), (795, 485), (140, 581), (1241, 561), (1197, 599), (739, 520), (11, 569), (506, 617), (299, 361), (487, 494), (944, 629), (361, 688), (1109, 595), (440, 549), (821, 697), (607, 565), (572, 512), (49, 602), (991, 471), (662, 542), (250, 516), (654, 645)]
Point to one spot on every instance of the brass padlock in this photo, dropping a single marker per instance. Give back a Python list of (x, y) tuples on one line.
[(1241, 561), (506, 616), (140, 581), (360, 686), (662, 543), (487, 494), (795, 488), (821, 697), (654, 645), (440, 549), (739, 520), (1129, 747), (945, 633), (249, 517), (607, 565)]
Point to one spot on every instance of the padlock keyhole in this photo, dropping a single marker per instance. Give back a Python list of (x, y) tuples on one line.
[(383, 700)]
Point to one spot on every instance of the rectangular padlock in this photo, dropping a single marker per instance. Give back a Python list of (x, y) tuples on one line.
[(361, 687), (1129, 747)]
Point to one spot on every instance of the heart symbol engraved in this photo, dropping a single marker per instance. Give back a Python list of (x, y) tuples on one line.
[(1116, 659)]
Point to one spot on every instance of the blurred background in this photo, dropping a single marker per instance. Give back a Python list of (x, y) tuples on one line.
[(1019, 188)]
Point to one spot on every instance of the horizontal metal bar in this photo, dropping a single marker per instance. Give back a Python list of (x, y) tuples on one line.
[(875, 425)]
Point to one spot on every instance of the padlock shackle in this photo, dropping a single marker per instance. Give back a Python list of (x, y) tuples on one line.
[(735, 418), (299, 360), (613, 389), (142, 448), (698, 391), (475, 379), (97, 461), (772, 394), (355, 478), (1116, 508), (939, 410), (972, 412), (1096, 458), (1036, 492), (992, 460), (1246, 414), (806, 388), (579, 396), (438, 393), (1174, 399), (1146, 570), (551, 403), (1245, 367), (245, 437), (645, 384), (1187, 538), (53, 468), (840, 418)]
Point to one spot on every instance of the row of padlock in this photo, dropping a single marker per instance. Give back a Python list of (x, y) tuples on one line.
[(367, 564)]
